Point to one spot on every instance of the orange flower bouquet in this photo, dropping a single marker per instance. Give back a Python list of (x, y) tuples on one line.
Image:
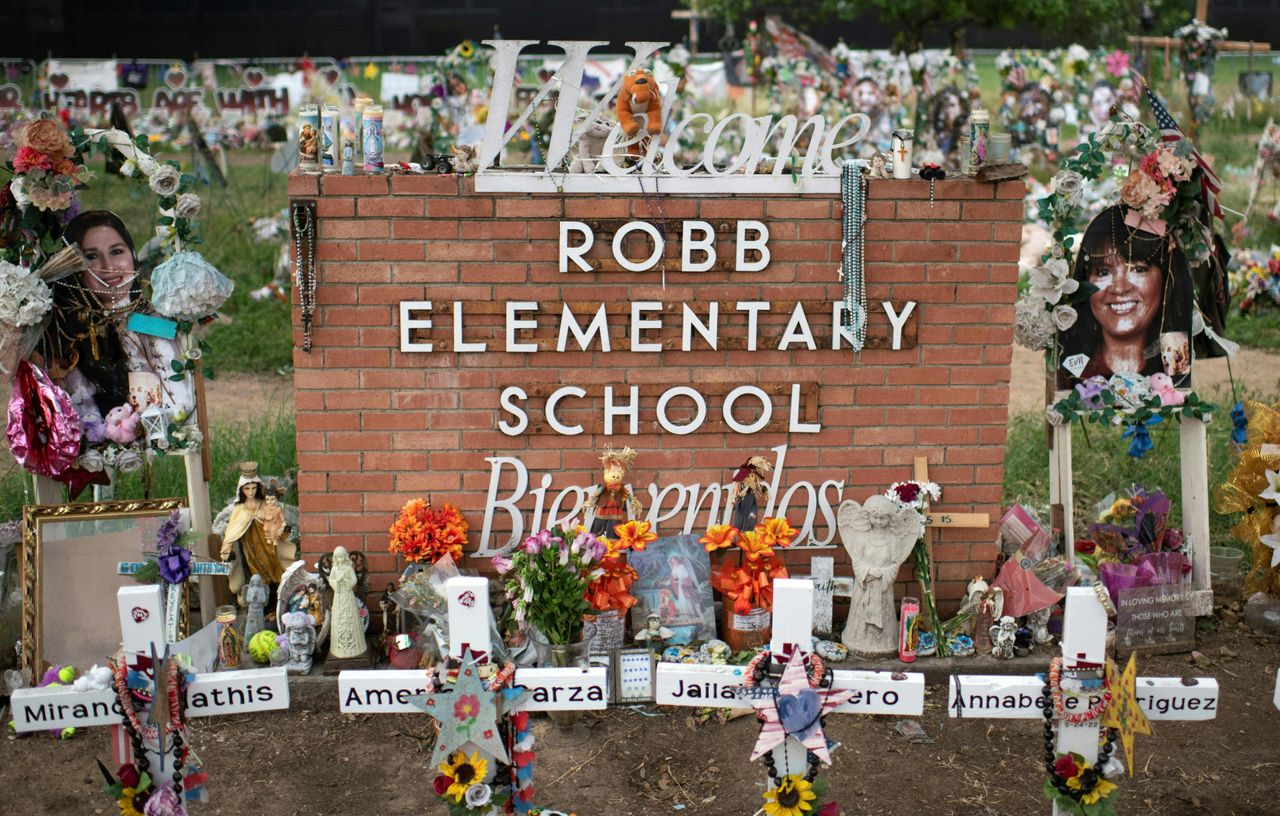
[(612, 590), (423, 534), (749, 583)]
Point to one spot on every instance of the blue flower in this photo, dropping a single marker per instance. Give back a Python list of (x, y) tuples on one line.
[(1140, 437), (1239, 424)]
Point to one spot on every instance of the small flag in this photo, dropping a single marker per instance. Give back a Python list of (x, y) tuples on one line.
[(1210, 184)]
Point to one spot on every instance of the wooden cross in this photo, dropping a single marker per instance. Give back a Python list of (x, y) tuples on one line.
[(175, 600), (142, 626), (1084, 638), (691, 14), (681, 684)]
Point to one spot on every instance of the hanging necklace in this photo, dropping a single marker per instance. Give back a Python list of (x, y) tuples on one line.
[(662, 219), (1056, 693), (853, 194), (819, 680), (1090, 777), (304, 238)]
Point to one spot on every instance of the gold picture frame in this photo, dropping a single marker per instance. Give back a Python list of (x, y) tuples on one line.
[(92, 538)]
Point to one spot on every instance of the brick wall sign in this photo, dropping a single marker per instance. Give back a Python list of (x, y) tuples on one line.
[(453, 358)]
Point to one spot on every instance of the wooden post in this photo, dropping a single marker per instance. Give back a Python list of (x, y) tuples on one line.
[(1195, 508)]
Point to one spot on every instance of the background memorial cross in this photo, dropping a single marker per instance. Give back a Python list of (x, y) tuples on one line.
[(1084, 639)]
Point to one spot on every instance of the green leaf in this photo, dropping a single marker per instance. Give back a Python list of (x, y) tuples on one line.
[(176, 366)]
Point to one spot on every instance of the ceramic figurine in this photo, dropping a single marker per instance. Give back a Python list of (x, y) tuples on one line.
[(592, 134), (346, 634), (300, 638), (1039, 623), (1003, 637), (654, 635), (245, 542), (750, 493), (878, 535), (987, 606), (256, 596), (612, 503), (390, 624), (348, 158)]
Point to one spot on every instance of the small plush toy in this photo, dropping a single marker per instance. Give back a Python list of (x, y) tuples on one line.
[(639, 106), (122, 424), (592, 134)]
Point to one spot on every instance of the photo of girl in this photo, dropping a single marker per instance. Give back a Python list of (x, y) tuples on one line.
[(1137, 320)]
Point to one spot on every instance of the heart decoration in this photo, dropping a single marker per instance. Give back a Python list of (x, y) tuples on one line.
[(799, 712), (140, 614), (59, 81), (175, 78), (253, 77)]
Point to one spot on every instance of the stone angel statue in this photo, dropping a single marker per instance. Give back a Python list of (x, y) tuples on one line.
[(878, 535)]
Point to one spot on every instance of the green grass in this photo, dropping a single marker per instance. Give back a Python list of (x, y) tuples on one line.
[(1256, 331), (252, 336), (1101, 465), (268, 440)]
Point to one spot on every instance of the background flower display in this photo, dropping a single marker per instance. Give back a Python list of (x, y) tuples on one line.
[(748, 584), (1199, 53), (1255, 280), (1131, 544)]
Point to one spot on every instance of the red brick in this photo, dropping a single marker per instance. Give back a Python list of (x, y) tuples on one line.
[(529, 208), (355, 185), (300, 185), (460, 208), (424, 185), (939, 210), (363, 228), (400, 207)]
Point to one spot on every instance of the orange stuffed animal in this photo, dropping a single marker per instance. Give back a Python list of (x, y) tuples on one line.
[(639, 104)]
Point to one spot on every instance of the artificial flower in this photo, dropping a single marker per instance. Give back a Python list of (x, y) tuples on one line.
[(1065, 766), (423, 534), (188, 206), (129, 776), (18, 189), (48, 137), (1069, 185), (441, 784), (128, 460), (754, 545), (25, 298), (28, 159), (1118, 63), (125, 802), (1272, 491), (501, 563), (1032, 326), (634, 535), (478, 795), (1272, 540), (719, 536), (1101, 789), (1064, 316), (91, 460), (792, 797), (463, 771), (1090, 392), (1052, 281), (777, 531), (165, 180)]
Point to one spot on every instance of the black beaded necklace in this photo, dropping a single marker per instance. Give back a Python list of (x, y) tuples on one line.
[(812, 762), (1090, 778)]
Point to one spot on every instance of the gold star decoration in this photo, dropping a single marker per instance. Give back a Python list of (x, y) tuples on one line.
[(1124, 714)]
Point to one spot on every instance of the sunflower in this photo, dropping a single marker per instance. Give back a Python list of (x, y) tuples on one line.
[(719, 536), (125, 803), (466, 49), (464, 772), (1100, 791), (792, 797)]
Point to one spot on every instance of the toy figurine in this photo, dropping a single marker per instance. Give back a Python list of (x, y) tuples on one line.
[(639, 108), (879, 536), (879, 167), (346, 633), (348, 157), (612, 503), (1004, 636), (986, 604), (592, 134), (750, 492), (300, 639)]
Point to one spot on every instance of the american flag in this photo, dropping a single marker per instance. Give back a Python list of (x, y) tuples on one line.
[(1210, 184)]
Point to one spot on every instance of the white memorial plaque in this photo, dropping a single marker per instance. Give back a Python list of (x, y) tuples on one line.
[(722, 687), (367, 691), (468, 615), (58, 707), (141, 617), (238, 692), (1002, 697)]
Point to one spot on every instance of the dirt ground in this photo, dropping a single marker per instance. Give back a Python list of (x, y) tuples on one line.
[(313, 761)]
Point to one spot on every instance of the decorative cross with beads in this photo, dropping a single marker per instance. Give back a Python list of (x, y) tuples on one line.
[(142, 627), (779, 688), (1079, 716)]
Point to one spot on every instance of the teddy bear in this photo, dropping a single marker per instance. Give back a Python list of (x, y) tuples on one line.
[(122, 424), (465, 160), (639, 106), (591, 138)]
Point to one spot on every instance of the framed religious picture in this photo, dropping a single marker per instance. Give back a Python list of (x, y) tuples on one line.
[(675, 585), (1136, 316), (69, 561)]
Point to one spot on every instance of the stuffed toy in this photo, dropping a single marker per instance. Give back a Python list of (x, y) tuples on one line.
[(122, 424), (465, 160), (591, 138), (639, 106)]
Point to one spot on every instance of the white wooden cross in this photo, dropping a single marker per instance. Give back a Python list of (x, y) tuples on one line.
[(371, 691), (173, 599), (211, 694), (682, 684), (1083, 644)]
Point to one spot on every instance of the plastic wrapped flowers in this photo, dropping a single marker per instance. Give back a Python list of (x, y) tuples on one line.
[(187, 287)]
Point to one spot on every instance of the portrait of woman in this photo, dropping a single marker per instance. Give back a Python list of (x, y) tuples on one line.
[(1138, 318), (88, 347), (949, 118)]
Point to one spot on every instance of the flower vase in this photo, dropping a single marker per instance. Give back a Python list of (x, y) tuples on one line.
[(564, 655), (749, 631), (611, 626)]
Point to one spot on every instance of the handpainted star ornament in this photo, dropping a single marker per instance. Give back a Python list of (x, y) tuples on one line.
[(796, 711), (467, 714), (1124, 714)]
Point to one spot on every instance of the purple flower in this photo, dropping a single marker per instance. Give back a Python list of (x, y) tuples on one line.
[(591, 547), (174, 563), (536, 542), (95, 430), (66, 216), (501, 563), (167, 535), (1090, 392)]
